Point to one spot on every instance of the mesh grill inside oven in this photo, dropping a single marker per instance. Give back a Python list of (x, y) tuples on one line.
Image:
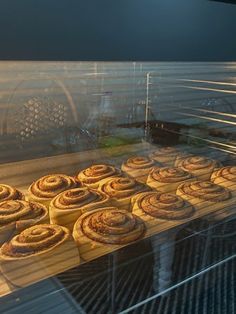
[(39, 115)]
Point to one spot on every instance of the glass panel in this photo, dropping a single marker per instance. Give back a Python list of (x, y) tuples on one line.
[(139, 193)]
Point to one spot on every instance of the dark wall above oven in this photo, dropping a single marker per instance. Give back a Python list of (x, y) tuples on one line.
[(117, 30)]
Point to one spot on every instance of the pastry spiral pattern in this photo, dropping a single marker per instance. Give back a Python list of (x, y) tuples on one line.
[(122, 187), (95, 173), (205, 190), (196, 163), (226, 174), (111, 226), (17, 210), (164, 206), (77, 198), (169, 175), (164, 151), (135, 163), (8, 192), (35, 240), (49, 186)]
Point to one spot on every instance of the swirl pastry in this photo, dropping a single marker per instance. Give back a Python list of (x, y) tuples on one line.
[(120, 190), (8, 192), (38, 252), (92, 176), (225, 177), (165, 155), (162, 206), (46, 188), (66, 207), (138, 167), (181, 156), (103, 227), (205, 195), (16, 215), (199, 166), (167, 179)]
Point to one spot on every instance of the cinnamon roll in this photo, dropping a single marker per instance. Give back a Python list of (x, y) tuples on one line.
[(38, 252), (225, 177), (138, 167), (8, 192), (206, 195), (120, 190), (66, 207), (165, 155), (167, 179), (161, 206), (16, 215), (46, 188), (101, 231), (181, 156), (199, 166), (92, 176)]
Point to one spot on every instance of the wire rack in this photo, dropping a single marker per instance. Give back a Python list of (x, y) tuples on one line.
[(133, 284)]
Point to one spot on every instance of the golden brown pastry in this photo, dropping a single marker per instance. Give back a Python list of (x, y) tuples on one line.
[(138, 167), (17, 215), (38, 252), (92, 176), (161, 206), (203, 191), (181, 156), (167, 179), (120, 190), (102, 230), (8, 192), (46, 188), (165, 155), (66, 207), (225, 177), (206, 196), (199, 166)]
